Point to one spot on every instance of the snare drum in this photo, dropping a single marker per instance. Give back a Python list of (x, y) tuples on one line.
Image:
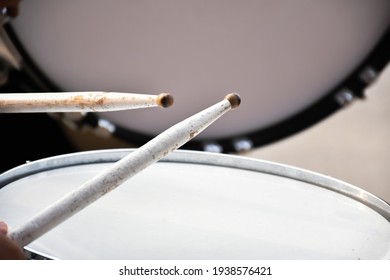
[(199, 205), (294, 63)]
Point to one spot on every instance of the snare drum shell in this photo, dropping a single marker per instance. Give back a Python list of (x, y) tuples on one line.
[(198, 205)]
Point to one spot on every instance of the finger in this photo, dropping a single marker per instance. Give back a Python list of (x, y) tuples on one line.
[(3, 228), (9, 250)]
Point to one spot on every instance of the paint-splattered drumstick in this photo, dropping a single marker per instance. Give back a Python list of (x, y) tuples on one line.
[(161, 145), (92, 101)]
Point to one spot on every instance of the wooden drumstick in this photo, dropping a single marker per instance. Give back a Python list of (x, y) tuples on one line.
[(92, 101), (164, 143)]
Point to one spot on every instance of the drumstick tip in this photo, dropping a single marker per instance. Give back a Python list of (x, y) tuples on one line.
[(234, 99), (164, 100)]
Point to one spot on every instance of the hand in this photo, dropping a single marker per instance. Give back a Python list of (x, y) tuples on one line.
[(9, 250)]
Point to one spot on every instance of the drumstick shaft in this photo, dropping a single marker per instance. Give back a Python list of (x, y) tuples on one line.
[(122, 170), (92, 101)]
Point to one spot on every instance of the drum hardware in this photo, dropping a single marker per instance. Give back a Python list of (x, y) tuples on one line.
[(106, 125), (212, 147), (368, 75), (242, 144), (344, 97), (104, 128)]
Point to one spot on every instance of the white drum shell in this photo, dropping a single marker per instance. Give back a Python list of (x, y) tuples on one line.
[(196, 205)]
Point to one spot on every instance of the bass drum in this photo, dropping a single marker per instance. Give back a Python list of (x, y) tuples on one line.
[(294, 63), (199, 205)]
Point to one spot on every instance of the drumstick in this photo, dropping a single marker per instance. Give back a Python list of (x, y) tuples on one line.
[(91, 101), (164, 143)]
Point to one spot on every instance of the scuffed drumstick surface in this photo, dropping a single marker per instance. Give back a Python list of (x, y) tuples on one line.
[(93, 101), (164, 143)]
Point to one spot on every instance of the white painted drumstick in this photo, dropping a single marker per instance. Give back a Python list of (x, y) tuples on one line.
[(90, 101), (122, 170)]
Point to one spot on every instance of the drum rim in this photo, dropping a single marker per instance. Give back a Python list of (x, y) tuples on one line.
[(353, 85), (204, 158)]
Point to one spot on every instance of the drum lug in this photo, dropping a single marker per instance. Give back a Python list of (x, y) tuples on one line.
[(105, 128), (368, 75), (212, 147), (344, 97), (242, 144)]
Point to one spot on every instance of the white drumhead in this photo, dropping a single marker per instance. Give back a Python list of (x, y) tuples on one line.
[(280, 56), (194, 205)]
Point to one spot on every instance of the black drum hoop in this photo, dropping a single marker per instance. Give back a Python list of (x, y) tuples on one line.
[(32, 79)]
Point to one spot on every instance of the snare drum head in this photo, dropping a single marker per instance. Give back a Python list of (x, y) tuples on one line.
[(293, 63), (196, 205)]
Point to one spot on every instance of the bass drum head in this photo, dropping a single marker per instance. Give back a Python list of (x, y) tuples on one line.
[(293, 63), (198, 205)]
